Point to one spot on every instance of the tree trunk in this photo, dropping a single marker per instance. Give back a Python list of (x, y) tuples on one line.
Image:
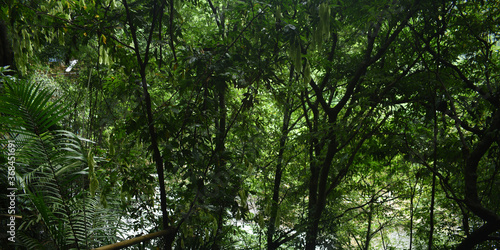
[(142, 63), (479, 236), (277, 179), (6, 54), (318, 192), (220, 161), (369, 229), (433, 188)]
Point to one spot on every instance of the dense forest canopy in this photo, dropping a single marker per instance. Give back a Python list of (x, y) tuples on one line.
[(244, 124)]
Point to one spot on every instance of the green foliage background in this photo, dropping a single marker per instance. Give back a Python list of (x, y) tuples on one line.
[(254, 124)]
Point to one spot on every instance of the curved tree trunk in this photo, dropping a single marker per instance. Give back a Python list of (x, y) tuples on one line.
[(157, 157)]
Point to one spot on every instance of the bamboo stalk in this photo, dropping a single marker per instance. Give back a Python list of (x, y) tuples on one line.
[(134, 241), (9, 215)]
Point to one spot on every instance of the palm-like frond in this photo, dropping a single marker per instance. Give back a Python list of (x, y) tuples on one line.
[(27, 108), (52, 168), (30, 242), (50, 163)]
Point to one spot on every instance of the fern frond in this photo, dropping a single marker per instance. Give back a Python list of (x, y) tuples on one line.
[(52, 160), (30, 242), (52, 168)]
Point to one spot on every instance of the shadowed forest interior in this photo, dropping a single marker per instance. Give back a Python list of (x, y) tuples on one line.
[(245, 124)]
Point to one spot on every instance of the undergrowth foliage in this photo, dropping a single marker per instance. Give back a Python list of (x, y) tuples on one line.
[(52, 172)]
